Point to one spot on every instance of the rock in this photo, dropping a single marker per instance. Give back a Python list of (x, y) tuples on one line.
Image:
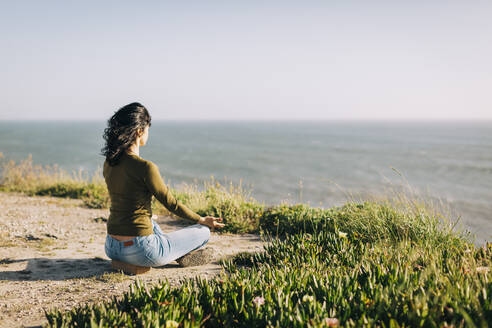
[(31, 237), (197, 257)]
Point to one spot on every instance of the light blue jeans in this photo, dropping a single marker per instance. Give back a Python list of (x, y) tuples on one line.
[(158, 248)]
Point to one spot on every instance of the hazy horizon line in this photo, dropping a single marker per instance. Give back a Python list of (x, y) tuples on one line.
[(270, 120)]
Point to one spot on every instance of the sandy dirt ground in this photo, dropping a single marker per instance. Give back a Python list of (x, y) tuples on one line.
[(52, 256)]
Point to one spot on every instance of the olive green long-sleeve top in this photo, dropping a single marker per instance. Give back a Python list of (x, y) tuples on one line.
[(131, 184)]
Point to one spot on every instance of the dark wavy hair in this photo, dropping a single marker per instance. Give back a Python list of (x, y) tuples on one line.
[(122, 130)]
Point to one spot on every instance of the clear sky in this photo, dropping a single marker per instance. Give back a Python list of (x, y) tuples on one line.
[(247, 59)]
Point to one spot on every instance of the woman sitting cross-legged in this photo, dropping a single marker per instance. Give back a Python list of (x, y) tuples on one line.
[(132, 235)]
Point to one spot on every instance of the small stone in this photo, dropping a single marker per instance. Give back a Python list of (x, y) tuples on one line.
[(197, 257)]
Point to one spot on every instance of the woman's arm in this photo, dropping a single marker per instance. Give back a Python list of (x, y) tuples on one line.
[(211, 221), (155, 183)]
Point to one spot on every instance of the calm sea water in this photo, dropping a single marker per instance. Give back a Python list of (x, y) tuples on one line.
[(319, 163)]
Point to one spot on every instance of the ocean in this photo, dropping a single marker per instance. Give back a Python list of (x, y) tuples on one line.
[(320, 163)]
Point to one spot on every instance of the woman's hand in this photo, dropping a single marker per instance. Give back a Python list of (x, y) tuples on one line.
[(211, 222)]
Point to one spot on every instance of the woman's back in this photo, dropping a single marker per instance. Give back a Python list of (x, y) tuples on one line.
[(130, 210), (131, 184)]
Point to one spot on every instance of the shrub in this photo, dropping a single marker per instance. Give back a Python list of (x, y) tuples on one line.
[(241, 213)]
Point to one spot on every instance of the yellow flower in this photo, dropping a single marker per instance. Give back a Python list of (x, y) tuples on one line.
[(308, 298), (171, 324), (342, 234)]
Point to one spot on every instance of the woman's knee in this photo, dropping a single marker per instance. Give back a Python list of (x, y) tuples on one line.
[(206, 232), (203, 232)]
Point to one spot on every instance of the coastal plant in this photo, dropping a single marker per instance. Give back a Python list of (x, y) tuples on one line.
[(241, 213), (315, 280), (51, 180), (368, 221)]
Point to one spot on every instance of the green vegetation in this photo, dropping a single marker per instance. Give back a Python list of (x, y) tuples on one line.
[(240, 211), (387, 263), (52, 181), (319, 276)]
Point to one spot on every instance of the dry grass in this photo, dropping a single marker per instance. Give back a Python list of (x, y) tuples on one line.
[(25, 175), (32, 179), (111, 277)]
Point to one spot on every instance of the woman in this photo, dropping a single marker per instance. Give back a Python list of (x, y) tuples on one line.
[(133, 236)]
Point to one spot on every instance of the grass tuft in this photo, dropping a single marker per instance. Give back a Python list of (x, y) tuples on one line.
[(49, 180)]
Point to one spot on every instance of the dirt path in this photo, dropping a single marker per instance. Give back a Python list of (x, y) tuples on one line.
[(52, 256)]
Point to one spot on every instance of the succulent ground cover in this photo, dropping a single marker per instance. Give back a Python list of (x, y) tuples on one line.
[(316, 275)]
